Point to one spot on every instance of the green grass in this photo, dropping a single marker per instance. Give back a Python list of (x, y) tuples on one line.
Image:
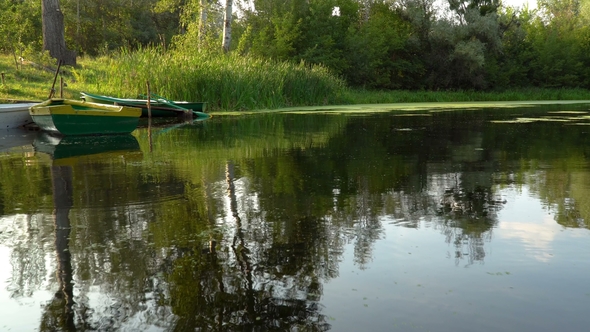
[(28, 82), (228, 82)]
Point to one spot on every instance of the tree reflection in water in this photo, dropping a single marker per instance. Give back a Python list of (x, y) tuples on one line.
[(241, 225), (59, 312)]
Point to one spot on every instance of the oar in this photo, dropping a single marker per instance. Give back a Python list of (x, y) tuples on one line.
[(174, 105), (54, 79)]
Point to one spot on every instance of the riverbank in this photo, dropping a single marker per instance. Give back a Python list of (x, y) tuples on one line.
[(227, 83)]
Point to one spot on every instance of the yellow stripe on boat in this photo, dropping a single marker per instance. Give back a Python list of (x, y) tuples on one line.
[(75, 107)]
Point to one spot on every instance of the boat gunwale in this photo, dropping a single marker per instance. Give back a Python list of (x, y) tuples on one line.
[(143, 102), (73, 107)]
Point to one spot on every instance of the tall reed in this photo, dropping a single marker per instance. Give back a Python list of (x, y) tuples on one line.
[(226, 82)]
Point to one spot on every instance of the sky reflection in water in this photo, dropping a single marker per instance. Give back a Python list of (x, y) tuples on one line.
[(531, 278)]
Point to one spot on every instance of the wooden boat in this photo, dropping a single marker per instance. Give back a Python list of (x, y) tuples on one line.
[(160, 107), (15, 115), (76, 117)]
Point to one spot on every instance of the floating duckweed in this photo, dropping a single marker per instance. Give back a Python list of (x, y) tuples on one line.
[(568, 112), (530, 120)]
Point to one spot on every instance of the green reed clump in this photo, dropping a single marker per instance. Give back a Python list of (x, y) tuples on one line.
[(226, 82)]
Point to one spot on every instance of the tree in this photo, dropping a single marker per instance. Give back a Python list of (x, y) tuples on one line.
[(53, 33), (484, 7), (325, 30), (273, 29), (559, 42), (202, 22), (379, 52), (562, 12), (227, 25), (20, 28)]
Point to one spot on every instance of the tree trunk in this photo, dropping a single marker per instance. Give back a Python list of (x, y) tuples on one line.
[(53, 33), (227, 25), (202, 22)]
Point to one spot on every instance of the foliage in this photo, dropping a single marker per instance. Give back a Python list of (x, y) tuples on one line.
[(329, 47), (95, 27), (188, 38), (21, 26), (379, 44), (483, 7), (273, 30), (380, 52)]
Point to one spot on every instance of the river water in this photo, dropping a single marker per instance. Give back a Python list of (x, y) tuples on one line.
[(425, 220)]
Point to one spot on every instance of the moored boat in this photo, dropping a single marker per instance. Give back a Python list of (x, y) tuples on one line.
[(15, 115), (76, 117), (160, 107)]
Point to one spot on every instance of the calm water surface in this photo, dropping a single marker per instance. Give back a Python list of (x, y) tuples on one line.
[(474, 220)]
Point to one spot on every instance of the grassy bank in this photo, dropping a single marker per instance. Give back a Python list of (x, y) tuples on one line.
[(28, 81), (226, 82)]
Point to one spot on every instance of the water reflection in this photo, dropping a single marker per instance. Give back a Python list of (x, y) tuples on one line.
[(59, 313), (272, 222), (16, 138), (62, 147)]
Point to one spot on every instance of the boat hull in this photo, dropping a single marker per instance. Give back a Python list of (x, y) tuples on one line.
[(15, 115), (158, 108), (72, 117)]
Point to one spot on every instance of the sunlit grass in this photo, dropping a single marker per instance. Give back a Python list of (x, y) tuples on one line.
[(25, 83)]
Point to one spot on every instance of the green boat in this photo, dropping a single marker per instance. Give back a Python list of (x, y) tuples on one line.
[(160, 106), (76, 117)]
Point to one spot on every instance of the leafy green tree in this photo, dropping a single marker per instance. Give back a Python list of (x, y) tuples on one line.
[(459, 47), (511, 66), (379, 53), (560, 12), (273, 29), (325, 33), (201, 25), (99, 27), (585, 11), (21, 26), (462, 7), (557, 36)]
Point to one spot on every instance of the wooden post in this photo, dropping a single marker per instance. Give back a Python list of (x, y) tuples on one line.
[(61, 87), (149, 107), (149, 97)]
